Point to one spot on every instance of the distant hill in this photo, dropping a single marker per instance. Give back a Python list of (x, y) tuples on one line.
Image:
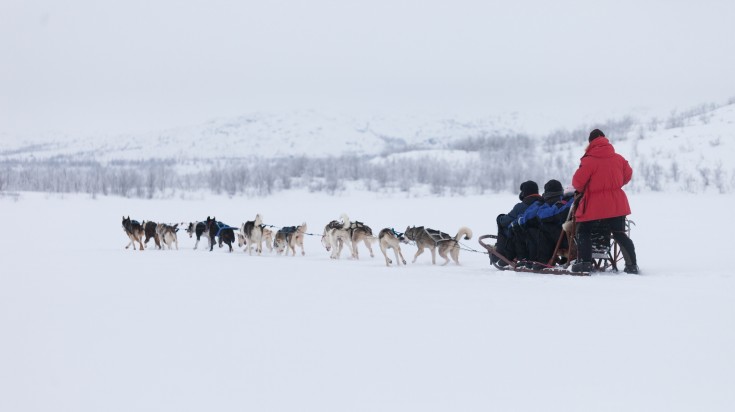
[(303, 133), (686, 151)]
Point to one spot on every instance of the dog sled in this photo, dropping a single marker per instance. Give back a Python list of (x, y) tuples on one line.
[(606, 252)]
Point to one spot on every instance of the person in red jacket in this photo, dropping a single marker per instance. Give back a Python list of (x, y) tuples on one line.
[(604, 205)]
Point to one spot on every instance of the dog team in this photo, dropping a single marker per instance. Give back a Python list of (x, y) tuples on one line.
[(336, 235)]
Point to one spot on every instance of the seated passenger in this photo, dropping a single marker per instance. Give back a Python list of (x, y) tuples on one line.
[(511, 241), (551, 215), (526, 234)]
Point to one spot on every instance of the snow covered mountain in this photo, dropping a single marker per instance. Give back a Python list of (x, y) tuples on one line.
[(702, 133), (304, 133), (686, 151)]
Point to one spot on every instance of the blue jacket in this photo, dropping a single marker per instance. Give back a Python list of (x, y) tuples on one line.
[(529, 216), (556, 211)]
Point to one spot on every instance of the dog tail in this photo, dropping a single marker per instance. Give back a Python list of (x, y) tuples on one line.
[(464, 231), (345, 221)]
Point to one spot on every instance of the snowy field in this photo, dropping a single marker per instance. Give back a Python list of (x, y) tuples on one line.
[(89, 326)]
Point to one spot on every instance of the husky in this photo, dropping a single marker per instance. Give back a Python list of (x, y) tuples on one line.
[(288, 238), (335, 235), (390, 239), (430, 238), (268, 238), (167, 234), (134, 231), (360, 232), (199, 229), (150, 232), (251, 234), (225, 233)]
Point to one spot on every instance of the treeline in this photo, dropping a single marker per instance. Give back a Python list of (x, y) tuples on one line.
[(501, 162), (492, 164)]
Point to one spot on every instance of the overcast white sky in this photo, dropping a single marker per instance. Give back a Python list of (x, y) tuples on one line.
[(113, 66)]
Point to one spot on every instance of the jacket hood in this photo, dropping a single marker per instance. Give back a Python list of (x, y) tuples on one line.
[(600, 147), (532, 198)]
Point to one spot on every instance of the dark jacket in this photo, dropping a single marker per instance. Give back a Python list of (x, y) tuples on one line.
[(505, 221), (601, 177)]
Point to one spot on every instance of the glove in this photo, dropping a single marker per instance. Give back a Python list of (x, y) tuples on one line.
[(516, 226)]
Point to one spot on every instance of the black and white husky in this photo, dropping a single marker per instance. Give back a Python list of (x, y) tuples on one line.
[(200, 230), (221, 231), (251, 234), (134, 230), (336, 234)]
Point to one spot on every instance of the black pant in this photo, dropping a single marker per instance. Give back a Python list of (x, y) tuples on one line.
[(616, 225), (526, 242), (548, 237), (521, 245), (505, 245)]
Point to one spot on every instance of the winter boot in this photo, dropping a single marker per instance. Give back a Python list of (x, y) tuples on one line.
[(632, 269), (582, 267), (493, 258), (539, 266)]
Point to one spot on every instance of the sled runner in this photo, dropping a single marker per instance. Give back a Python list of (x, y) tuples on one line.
[(521, 266)]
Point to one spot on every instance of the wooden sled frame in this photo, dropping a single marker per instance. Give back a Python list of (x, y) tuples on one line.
[(513, 265)]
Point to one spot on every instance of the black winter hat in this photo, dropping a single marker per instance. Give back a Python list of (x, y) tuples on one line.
[(595, 134), (528, 188), (553, 188)]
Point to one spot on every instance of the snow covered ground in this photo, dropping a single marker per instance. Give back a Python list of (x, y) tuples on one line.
[(89, 326)]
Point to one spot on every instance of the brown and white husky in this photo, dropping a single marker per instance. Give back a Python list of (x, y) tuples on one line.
[(134, 230), (433, 239), (288, 238), (360, 232), (390, 239), (268, 238), (149, 229)]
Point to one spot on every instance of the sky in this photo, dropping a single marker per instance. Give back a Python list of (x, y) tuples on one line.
[(82, 66)]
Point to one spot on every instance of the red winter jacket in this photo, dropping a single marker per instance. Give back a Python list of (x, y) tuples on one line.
[(601, 177)]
